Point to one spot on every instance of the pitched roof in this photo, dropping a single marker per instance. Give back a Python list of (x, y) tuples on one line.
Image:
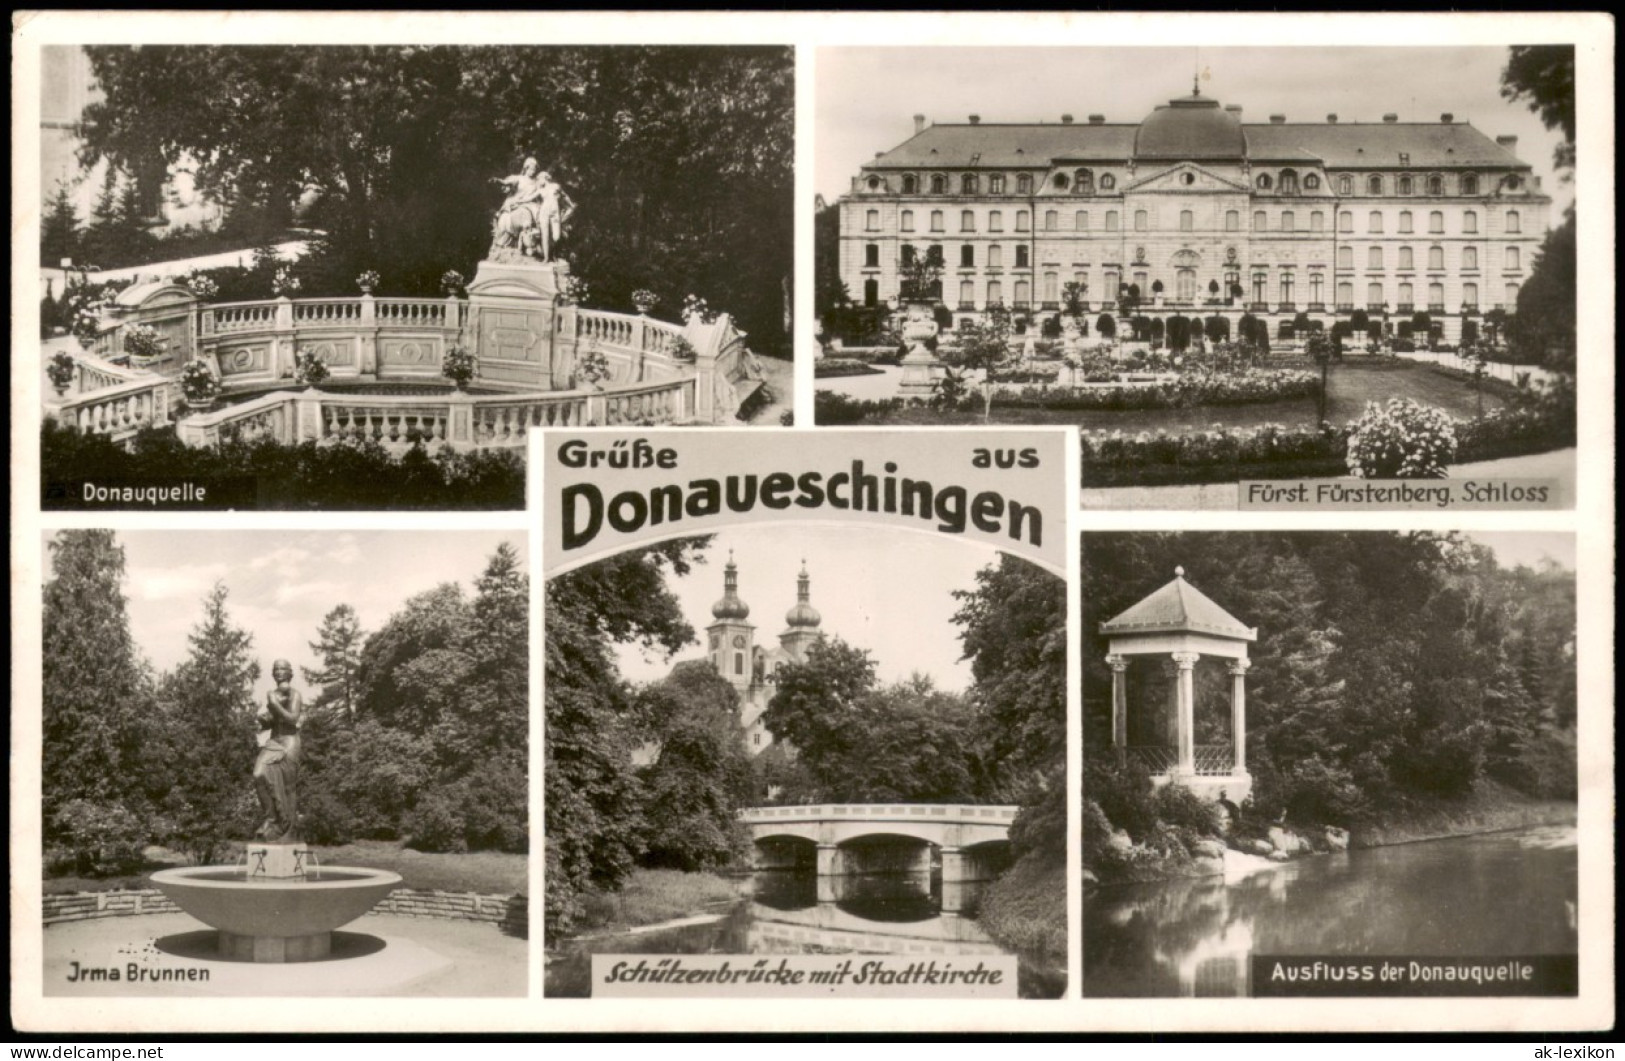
[(1171, 133), (1376, 144), (1176, 608), (1008, 145)]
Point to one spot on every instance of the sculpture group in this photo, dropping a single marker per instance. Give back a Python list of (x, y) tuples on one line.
[(531, 219)]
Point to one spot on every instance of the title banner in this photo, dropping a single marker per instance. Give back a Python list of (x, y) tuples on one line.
[(608, 491)]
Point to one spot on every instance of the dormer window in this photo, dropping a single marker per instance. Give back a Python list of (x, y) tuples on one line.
[(968, 184), (1469, 184), (1263, 182), (1083, 182), (1373, 185), (911, 184), (1312, 182), (995, 184), (1289, 182), (1108, 182), (1060, 182), (1024, 184), (1345, 185), (939, 184), (874, 184), (1435, 185), (1405, 185)]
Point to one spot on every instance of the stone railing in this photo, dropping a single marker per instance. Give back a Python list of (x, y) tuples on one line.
[(1501, 370), (119, 409), (458, 419)]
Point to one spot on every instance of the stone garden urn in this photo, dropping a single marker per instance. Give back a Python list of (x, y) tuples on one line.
[(921, 368)]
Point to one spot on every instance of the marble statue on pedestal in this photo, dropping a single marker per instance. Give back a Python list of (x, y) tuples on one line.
[(531, 219), (276, 771)]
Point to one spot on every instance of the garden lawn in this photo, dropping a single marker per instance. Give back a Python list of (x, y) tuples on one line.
[(1351, 385)]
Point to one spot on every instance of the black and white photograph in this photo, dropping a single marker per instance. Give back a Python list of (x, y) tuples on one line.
[(356, 276), (1221, 263), (1328, 763), (790, 741), (267, 772)]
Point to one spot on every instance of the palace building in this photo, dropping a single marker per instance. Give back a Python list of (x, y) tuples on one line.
[(1203, 213), (748, 666)]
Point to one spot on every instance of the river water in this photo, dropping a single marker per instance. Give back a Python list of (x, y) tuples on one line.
[(1509, 893), (797, 912)]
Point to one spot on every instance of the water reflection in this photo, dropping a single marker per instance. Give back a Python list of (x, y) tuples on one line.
[(798, 912), (1498, 894)]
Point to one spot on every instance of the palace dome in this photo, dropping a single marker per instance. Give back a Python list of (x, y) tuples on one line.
[(1194, 127)]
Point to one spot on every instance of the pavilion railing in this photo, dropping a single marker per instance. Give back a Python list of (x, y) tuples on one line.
[(1211, 760)]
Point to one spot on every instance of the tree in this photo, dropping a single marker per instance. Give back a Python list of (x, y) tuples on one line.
[(208, 717), (863, 742), (1543, 328), (595, 813), (1013, 630), (492, 715), (1106, 326), (59, 230), (338, 646), (984, 345), (413, 670), (96, 698), (679, 158), (702, 774), (1542, 76)]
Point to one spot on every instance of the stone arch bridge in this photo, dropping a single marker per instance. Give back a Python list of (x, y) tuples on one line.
[(850, 838)]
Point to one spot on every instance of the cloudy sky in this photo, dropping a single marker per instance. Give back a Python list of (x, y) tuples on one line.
[(866, 97), (1528, 548), (283, 582), (886, 591)]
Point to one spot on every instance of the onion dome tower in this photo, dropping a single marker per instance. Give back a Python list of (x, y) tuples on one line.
[(802, 620), (732, 636)]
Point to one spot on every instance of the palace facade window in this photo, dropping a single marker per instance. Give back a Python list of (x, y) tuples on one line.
[(1514, 258), (1407, 260), (967, 221), (936, 221), (1187, 221), (1514, 222), (1022, 221), (1435, 257), (871, 255), (871, 221), (1232, 220), (1436, 221), (906, 221), (1469, 258), (1405, 221), (1373, 221)]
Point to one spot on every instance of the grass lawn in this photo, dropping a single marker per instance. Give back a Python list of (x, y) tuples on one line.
[(1350, 387), (651, 896), (486, 872)]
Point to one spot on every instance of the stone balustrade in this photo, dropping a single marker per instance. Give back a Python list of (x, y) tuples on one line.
[(458, 419), (118, 410)]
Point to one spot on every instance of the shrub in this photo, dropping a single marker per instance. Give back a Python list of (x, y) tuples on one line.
[(1124, 795), (99, 839), (832, 408), (60, 369), (437, 824), (836, 367), (1183, 809), (1401, 440), (198, 382), (309, 369)]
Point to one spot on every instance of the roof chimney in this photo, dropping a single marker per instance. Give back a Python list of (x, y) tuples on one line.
[(976, 119), (1447, 117), (1508, 142), (919, 124), (1277, 119), (1066, 119), (1331, 119), (1097, 119), (1537, 184), (880, 154), (1233, 108), (1390, 118)]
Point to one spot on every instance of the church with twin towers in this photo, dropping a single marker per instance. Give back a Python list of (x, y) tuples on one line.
[(751, 667), (1416, 223)]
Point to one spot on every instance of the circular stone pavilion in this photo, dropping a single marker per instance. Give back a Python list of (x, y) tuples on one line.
[(1180, 624)]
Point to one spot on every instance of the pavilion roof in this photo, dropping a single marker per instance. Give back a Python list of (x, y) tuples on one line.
[(1179, 608)]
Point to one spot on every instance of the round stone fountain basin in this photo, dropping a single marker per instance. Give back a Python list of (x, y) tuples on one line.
[(275, 920)]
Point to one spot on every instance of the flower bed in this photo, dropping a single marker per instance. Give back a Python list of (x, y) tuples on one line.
[(1181, 393), (1542, 422), (834, 367)]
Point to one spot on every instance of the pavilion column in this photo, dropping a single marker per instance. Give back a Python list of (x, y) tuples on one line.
[(1238, 713), (1185, 691), (1119, 666)]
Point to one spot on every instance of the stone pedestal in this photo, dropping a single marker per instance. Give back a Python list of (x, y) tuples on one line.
[(921, 368), (275, 950), (278, 861), (521, 326)]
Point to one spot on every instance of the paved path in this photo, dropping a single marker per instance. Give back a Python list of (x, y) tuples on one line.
[(291, 250), (377, 955), (1558, 464)]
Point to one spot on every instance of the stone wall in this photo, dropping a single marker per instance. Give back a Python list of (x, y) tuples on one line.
[(510, 912)]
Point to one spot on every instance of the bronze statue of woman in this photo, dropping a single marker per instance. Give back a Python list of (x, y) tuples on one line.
[(276, 771)]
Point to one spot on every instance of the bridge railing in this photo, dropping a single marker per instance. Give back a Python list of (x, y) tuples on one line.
[(954, 812)]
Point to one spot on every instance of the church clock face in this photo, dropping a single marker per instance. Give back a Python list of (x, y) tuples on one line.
[(739, 641)]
